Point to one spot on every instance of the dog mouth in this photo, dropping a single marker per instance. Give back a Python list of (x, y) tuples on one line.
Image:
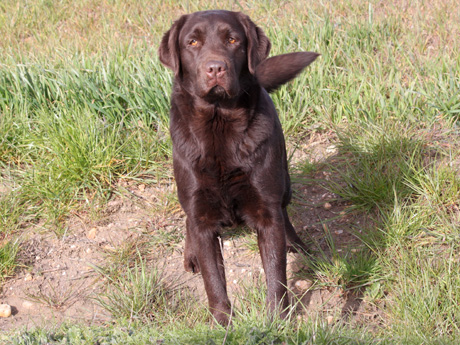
[(218, 92), (214, 90)]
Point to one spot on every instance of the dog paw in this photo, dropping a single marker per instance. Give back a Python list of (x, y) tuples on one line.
[(222, 315)]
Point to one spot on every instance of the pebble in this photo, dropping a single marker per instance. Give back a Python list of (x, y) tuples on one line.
[(28, 277), (303, 285), (5, 310), (327, 206), (141, 187), (91, 235), (27, 305), (330, 319)]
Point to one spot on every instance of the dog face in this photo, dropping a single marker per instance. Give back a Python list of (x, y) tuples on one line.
[(214, 53)]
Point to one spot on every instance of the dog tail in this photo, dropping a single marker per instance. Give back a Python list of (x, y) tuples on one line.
[(278, 70)]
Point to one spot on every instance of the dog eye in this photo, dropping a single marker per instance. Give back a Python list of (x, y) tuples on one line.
[(231, 40), (193, 42)]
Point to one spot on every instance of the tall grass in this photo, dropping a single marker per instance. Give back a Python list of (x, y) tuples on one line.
[(76, 129)]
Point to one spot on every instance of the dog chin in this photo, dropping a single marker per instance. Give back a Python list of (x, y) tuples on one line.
[(217, 92)]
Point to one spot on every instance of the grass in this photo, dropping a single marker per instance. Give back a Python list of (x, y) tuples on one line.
[(8, 254), (84, 104), (142, 293), (55, 297), (353, 270)]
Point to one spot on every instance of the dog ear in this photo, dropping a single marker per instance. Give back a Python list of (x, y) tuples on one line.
[(169, 50), (278, 70), (258, 46)]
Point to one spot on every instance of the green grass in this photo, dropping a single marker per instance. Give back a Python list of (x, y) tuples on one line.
[(143, 293), (84, 103), (8, 254), (350, 271)]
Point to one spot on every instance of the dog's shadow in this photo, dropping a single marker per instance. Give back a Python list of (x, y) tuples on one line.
[(323, 280)]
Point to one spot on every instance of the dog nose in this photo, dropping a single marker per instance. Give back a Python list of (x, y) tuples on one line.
[(215, 69)]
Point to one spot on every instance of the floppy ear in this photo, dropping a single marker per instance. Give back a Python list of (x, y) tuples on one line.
[(278, 70), (258, 44), (169, 50)]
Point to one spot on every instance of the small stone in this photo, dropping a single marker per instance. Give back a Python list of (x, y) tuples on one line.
[(303, 285), (28, 277), (5, 310), (327, 206), (227, 244), (91, 235), (27, 305), (330, 319), (141, 187)]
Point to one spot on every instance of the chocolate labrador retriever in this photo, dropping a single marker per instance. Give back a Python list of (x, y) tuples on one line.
[(229, 153)]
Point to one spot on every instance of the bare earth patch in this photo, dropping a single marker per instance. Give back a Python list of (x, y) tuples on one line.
[(58, 281)]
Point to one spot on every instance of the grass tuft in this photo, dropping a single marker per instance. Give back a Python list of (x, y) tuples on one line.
[(142, 293)]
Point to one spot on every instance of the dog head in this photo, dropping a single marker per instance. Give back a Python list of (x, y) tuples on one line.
[(214, 52)]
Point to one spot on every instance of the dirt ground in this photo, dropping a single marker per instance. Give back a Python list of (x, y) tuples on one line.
[(57, 281)]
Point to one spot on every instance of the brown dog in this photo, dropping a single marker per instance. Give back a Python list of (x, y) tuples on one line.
[(228, 147)]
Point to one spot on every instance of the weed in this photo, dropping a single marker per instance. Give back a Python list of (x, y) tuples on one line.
[(58, 296), (142, 293), (8, 254)]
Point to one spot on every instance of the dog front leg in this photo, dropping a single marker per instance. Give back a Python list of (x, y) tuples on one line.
[(271, 236), (203, 245)]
